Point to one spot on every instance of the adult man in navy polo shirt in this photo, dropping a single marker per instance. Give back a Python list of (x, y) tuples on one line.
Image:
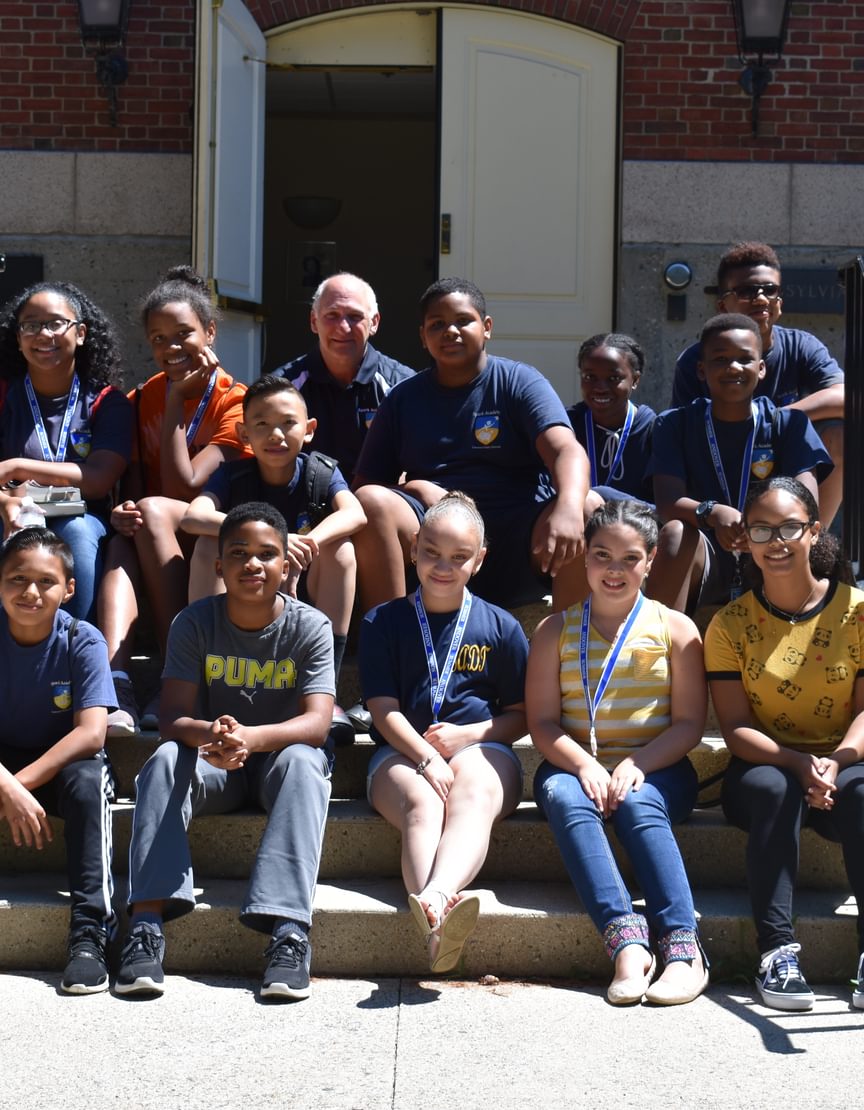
[(344, 379), (800, 373)]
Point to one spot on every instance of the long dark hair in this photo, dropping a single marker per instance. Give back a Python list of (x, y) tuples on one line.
[(827, 559), (97, 360)]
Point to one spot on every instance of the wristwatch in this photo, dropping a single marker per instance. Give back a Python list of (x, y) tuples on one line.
[(703, 511)]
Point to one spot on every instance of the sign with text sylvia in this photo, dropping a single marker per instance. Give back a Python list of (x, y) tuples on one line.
[(813, 290)]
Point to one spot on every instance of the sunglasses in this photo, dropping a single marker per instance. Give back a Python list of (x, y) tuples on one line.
[(787, 531), (769, 290)]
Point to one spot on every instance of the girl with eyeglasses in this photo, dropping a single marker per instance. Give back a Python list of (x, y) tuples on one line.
[(784, 668), (64, 421)]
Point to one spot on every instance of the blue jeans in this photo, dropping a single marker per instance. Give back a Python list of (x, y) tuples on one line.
[(84, 535), (643, 825)]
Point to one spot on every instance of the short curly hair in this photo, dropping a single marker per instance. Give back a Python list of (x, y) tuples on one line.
[(748, 253)]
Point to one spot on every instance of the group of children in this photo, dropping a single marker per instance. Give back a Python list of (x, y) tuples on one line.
[(470, 472)]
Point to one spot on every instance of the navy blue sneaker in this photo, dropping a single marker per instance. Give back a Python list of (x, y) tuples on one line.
[(780, 983), (287, 974), (141, 962)]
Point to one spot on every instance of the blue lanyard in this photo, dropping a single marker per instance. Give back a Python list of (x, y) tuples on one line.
[(619, 452), (63, 438), (718, 462), (438, 686), (593, 702), (195, 423)]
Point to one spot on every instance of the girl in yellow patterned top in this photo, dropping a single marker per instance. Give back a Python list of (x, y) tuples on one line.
[(784, 668), (615, 699)]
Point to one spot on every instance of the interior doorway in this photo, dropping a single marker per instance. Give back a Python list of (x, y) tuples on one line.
[(350, 184)]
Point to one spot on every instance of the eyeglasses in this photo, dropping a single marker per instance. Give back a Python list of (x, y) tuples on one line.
[(769, 290), (787, 531), (57, 326)]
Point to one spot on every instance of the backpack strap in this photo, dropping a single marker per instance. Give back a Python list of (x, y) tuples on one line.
[(317, 478), (99, 398)]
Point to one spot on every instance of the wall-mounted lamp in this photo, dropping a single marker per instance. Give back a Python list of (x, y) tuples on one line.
[(760, 26), (103, 24)]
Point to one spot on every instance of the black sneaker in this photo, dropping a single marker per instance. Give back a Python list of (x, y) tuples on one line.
[(780, 982), (287, 974), (141, 962), (86, 969), (858, 986)]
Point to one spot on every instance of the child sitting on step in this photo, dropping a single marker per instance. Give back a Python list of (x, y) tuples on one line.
[(616, 698), (247, 699), (56, 690), (443, 675)]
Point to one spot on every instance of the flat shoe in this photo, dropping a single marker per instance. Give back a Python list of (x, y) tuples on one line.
[(676, 994), (624, 992), (454, 930), (418, 911)]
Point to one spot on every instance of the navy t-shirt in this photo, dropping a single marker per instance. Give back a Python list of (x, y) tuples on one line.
[(797, 365), (239, 480), (488, 675), (633, 474), (478, 438), (344, 413), (785, 443), (42, 686)]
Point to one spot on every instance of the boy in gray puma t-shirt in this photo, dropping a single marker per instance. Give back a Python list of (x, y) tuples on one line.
[(247, 699)]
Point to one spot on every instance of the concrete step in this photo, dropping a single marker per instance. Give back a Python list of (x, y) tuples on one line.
[(362, 927), (360, 844), (128, 755)]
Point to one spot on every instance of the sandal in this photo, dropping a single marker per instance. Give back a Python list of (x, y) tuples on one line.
[(418, 910), (453, 931)]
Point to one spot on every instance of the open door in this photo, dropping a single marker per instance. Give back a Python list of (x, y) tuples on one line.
[(229, 175), (528, 191)]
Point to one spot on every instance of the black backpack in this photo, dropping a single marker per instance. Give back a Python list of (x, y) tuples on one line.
[(245, 484)]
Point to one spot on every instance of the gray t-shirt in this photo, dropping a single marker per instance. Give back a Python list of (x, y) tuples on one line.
[(258, 677)]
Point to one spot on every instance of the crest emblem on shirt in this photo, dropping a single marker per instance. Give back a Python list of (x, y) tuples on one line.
[(762, 464), (81, 441), (304, 524), (486, 428), (366, 416), (62, 695)]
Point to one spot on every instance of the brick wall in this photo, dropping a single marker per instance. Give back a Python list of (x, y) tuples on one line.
[(681, 93)]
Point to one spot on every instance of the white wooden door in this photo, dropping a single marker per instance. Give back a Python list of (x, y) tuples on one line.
[(528, 180), (229, 177)]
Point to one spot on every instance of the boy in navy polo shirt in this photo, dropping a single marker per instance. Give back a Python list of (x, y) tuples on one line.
[(490, 427), (277, 427), (56, 690), (704, 457)]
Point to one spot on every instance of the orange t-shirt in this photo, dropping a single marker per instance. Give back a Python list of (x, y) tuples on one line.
[(224, 410)]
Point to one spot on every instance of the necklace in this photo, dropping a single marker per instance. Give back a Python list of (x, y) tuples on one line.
[(792, 618)]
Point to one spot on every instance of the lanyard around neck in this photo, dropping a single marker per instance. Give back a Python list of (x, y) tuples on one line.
[(438, 685), (195, 422), (718, 462), (619, 451), (593, 701), (71, 401)]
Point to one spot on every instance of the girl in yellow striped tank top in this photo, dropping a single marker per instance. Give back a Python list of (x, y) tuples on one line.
[(615, 698)]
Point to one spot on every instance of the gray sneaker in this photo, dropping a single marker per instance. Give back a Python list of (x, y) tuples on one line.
[(123, 721), (141, 962), (287, 974)]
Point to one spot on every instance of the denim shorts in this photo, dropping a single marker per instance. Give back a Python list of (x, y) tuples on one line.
[(386, 754)]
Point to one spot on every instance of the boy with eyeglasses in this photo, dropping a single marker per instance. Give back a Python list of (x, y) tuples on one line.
[(705, 455), (800, 373)]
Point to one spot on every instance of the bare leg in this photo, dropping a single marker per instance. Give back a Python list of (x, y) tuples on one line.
[(331, 582), (163, 560), (831, 490), (407, 801), (678, 566), (117, 602), (203, 579), (383, 547)]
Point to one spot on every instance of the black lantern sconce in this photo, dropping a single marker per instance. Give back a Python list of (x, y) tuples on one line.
[(103, 24), (760, 26)]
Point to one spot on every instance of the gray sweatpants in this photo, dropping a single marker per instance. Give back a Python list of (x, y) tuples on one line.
[(291, 785)]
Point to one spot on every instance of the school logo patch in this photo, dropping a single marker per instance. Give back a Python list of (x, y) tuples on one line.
[(762, 464), (366, 416), (62, 695), (304, 524), (487, 426), (81, 441)]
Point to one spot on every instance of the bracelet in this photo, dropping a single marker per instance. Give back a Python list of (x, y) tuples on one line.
[(424, 763)]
